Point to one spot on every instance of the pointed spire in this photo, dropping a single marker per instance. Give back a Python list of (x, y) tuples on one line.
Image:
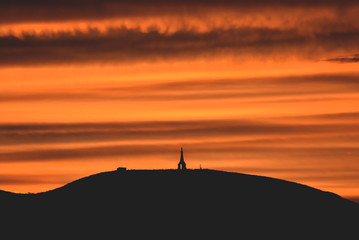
[(181, 164)]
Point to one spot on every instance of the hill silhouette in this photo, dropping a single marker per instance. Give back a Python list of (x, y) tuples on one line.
[(190, 203)]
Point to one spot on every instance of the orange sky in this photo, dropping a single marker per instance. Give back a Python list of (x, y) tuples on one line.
[(262, 88)]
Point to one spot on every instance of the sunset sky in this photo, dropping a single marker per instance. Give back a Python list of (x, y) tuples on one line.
[(266, 87)]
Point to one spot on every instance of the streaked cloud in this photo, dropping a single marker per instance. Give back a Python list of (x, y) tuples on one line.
[(90, 132), (30, 179), (131, 45), (18, 10), (289, 88), (348, 59), (315, 154)]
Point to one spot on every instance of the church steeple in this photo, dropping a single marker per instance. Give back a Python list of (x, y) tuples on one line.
[(182, 164)]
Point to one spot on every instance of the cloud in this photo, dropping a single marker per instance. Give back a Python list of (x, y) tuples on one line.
[(13, 134), (40, 10), (132, 45), (349, 59), (249, 89), (30, 179), (336, 116), (86, 153), (315, 154), (246, 83)]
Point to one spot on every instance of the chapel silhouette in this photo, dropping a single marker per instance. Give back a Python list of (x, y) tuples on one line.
[(182, 164)]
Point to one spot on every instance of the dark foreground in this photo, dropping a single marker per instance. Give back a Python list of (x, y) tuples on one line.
[(194, 204)]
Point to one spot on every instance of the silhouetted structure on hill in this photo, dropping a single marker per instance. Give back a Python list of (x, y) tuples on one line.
[(182, 164), (121, 169)]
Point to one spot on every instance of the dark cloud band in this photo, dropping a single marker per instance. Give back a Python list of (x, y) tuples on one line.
[(349, 59), (42, 10), (205, 149), (64, 133), (131, 45)]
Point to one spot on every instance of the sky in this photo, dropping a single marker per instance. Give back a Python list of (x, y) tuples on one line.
[(265, 87)]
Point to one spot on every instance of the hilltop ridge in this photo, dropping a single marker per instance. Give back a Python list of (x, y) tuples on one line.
[(208, 199)]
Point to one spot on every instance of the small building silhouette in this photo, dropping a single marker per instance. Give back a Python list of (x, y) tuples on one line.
[(182, 164), (121, 169)]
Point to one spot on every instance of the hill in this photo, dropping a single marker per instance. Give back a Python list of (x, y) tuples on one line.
[(202, 202)]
